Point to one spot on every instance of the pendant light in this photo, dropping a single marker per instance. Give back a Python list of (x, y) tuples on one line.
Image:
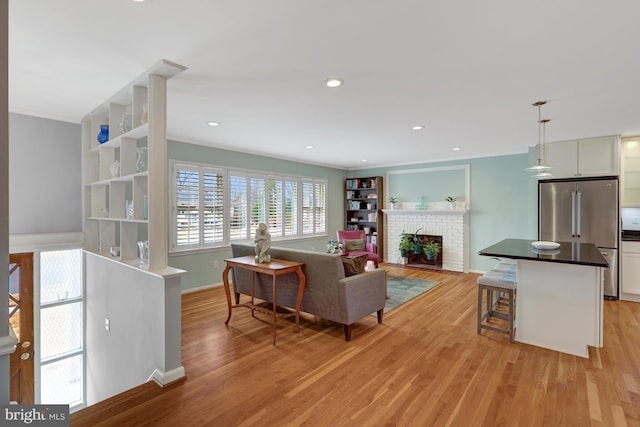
[(540, 166), (544, 173)]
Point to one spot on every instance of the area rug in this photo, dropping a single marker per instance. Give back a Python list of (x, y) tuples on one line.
[(402, 289)]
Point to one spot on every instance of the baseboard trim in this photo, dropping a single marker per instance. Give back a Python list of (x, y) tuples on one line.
[(163, 379), (202, 288)]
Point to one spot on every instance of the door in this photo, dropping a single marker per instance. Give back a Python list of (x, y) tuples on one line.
[(597, 204), (556, 210), (21, 387)]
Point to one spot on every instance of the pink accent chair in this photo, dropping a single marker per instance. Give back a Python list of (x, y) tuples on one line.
[(371, 249)]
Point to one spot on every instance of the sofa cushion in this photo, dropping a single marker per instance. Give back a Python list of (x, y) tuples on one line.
[(354, 264), (354, 245)]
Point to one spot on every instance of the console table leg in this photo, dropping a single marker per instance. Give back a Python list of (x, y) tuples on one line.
[(227, 292), (302, 281), (275, 309)]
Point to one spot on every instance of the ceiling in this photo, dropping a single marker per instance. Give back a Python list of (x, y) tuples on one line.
[(466, 70)]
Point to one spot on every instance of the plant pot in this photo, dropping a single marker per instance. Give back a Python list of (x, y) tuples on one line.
[(404, 253), (417, 249), (431, 255)]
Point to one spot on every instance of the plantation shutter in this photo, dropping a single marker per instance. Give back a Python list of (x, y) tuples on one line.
[(258, 203), (213, 212), (290, 208), (320, 211), (187, 207), (238, 220), (275, 207), (307, 207)]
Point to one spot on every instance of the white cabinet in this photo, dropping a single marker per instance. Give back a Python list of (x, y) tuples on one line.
[(630, 280), (136, 117), (562, 157), (631, 172), (584, 157)]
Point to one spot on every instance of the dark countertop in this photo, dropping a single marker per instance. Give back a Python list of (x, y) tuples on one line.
[(567, 253)]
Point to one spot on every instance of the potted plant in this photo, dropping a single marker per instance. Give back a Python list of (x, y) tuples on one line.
[(431, 250), (417, 243), (392, 201), (451, 201), (406, 244)]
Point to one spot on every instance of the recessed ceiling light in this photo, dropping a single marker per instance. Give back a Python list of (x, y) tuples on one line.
[(364, 160), (333, 82), (210, 123), (309, 147), (418, 127), (138, 1), (456, 148)]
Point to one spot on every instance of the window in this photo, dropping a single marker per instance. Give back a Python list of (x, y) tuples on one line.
[(215, 206), (313, 207), (199, 207), (61, 327)]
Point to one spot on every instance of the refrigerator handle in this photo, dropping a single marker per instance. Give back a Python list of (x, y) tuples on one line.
[(579, 210), (573, 214)]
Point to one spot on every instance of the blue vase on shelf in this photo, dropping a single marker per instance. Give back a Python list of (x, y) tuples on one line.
[(103, 136)]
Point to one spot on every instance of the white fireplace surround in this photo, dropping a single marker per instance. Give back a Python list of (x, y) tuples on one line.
[(452, 225)]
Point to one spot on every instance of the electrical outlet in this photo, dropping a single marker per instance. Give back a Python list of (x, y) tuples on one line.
[(107, 324), (216, 264), (635, 220)]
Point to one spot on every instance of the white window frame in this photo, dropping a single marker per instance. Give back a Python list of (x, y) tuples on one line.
[(261, 180)]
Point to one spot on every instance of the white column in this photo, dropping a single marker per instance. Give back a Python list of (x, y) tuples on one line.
[(157, 152)]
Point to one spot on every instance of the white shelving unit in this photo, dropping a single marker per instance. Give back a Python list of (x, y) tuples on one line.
[(106, 225), (144, 339)]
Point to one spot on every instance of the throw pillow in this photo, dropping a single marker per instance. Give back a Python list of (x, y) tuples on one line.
[(354, 265), (354, 245)]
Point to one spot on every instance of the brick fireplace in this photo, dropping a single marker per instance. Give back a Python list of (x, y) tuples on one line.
[(451, 225)]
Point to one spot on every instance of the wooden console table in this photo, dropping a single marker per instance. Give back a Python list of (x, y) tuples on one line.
[(274, 269)]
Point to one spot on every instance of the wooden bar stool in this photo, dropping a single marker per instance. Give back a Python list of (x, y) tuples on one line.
[(503, 282)]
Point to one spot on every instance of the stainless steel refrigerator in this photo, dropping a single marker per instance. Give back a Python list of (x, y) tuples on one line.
[(583, 211)]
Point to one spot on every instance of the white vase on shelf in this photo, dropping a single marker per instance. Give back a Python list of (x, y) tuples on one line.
[(115, 169), (141, 159), (144, 117)]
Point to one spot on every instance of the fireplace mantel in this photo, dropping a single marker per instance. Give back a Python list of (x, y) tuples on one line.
[(425, 211)]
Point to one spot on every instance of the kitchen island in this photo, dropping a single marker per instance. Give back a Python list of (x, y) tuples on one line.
[(559, 294)]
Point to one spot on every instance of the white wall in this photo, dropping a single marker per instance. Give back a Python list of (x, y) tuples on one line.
[(144, 340), (44, 172)]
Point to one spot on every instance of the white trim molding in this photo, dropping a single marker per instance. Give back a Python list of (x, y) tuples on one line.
[(467, 182), (45, 241)]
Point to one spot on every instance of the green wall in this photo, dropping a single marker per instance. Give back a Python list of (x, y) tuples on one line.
[(501, 205), (200, 265)]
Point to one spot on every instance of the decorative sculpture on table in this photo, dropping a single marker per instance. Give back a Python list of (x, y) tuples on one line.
[(263, 244)]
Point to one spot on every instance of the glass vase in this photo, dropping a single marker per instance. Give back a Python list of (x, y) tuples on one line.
[(141, 159), (103, 136), (143, 251)]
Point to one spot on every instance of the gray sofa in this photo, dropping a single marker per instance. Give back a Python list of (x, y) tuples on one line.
[(327, 294)]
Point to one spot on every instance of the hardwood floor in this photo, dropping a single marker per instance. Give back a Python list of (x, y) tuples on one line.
[(424, 366)]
